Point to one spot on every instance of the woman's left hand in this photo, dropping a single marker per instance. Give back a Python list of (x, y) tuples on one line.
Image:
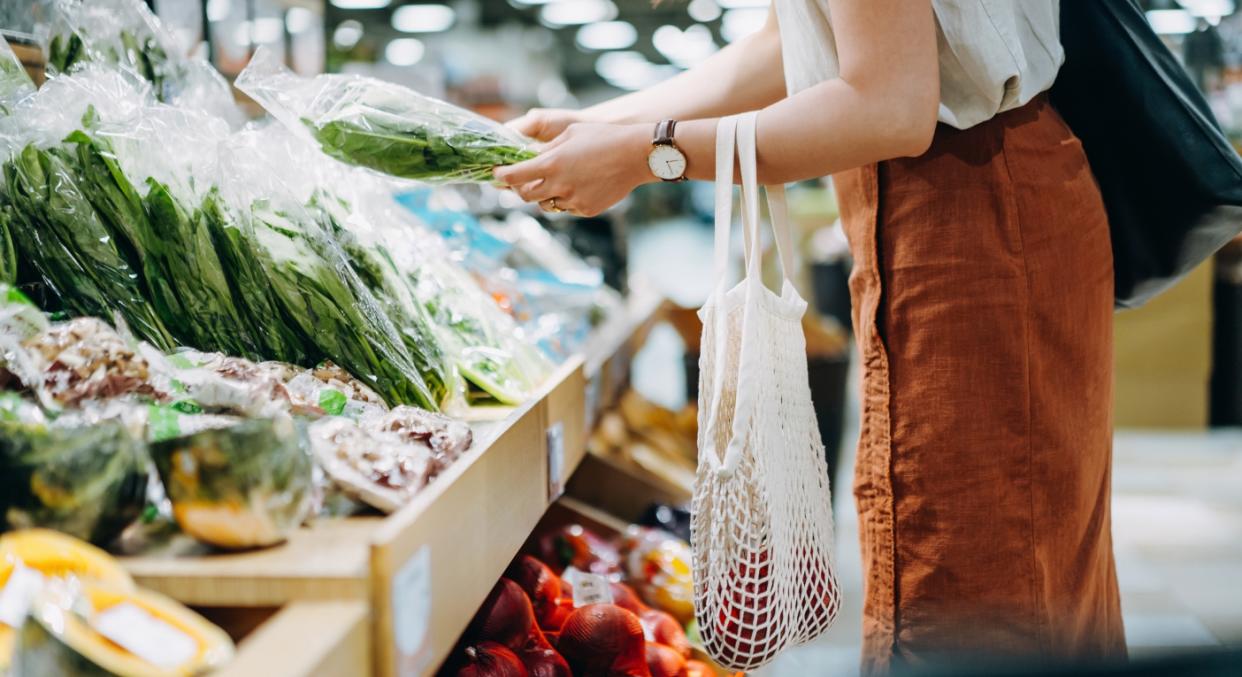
[(586, 169)]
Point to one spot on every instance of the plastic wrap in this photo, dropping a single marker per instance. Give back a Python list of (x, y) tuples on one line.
[(453, 329), (383, 126), (238, 487), (384, 459), (553, 295), (126, 35), (15, 82), (89, 482)]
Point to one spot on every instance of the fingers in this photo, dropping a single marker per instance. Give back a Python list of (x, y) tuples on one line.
[(522, 172), (537, 191), (530, 124)]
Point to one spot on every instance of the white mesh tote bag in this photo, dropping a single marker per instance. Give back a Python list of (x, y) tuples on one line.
[(761, 525)]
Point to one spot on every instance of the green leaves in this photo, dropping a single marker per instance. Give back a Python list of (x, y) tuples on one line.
[(417, 148)]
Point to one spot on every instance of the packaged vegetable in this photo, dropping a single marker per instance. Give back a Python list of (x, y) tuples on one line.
[(383, 126), (243, 486)]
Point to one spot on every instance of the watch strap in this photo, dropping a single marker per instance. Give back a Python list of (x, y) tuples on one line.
[(664, 133)]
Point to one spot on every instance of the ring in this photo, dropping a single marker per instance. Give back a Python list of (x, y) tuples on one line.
[(552, 206)]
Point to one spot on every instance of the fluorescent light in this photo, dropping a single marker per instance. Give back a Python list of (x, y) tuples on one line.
[(404, 51), (298, 19), (347, 34), (607, 35), (423, 18), (738, 23), (704, 10), (218, 10), (743, 4), (631, 70), (1209, 9), (684, 48), (259, 32), (1171, 21), (577, 12), (360, 4)]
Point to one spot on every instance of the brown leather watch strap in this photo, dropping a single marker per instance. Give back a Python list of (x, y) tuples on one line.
[(664, 133)]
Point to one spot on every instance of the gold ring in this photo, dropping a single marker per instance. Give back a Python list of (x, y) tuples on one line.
[(552, 206)]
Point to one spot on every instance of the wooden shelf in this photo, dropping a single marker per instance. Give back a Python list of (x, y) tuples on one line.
[(420, 573)]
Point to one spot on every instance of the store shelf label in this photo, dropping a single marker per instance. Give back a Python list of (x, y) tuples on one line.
[(411, 611), (556, 460)]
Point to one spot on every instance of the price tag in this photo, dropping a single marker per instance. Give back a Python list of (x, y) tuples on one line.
[(147, 637), (556, 461), (18, 594), (411, 610), (590, 589)]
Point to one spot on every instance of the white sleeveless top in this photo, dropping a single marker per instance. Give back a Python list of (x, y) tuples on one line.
[(995, 55)]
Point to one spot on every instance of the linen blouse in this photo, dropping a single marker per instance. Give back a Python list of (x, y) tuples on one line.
[(995, 55)]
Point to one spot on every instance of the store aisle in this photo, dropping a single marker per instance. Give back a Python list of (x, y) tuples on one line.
[(1177, 502)]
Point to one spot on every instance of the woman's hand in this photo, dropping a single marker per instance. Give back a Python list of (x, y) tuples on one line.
[(584, 170), (545, 124)]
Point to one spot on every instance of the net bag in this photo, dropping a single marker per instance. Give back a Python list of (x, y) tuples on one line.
[(761, 525)]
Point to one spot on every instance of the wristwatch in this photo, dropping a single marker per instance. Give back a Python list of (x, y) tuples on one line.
[(666, 160)]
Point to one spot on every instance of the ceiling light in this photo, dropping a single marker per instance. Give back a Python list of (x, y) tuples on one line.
[(684, 48), (218, 10), (607, 35), (423, 18), (347, 34), (1171, 21), (404, 51), (1209, 9), (738, 23), (631, 70), (704, 10), (577, 12), (360, 4), (298, 19)]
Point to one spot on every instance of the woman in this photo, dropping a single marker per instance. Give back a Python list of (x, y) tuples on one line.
[(982, 294)]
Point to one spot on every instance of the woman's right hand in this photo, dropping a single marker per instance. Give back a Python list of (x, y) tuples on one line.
[(545, 124)]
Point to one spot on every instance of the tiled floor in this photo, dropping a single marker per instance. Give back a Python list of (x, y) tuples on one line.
[(1177, 507)]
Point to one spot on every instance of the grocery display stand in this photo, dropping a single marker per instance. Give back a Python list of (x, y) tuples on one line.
[(391, 595)]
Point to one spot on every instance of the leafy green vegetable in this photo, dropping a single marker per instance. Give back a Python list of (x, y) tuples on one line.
[(376, 270), (412, 147), (332, 309), (142, 55), (79, 259)]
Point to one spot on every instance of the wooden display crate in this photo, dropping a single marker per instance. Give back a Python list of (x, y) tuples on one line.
[(302, 639), (419, 574)]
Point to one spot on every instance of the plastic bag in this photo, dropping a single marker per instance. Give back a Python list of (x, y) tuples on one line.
[(383, 126), (15, 82), (127, 35)]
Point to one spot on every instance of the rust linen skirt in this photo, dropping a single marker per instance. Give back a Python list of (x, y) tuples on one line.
[(983, 302)]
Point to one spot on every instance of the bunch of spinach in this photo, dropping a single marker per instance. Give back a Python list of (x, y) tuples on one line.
[(414, 147)]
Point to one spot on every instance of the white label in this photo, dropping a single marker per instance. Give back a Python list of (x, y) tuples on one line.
[(18, 594), (147, 637), (591, 589), (411, 603), (556, 461)]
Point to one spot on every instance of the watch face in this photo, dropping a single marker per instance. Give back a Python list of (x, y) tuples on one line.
[(666, 162)]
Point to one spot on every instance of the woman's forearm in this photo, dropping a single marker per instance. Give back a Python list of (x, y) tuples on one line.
[(745, 75)]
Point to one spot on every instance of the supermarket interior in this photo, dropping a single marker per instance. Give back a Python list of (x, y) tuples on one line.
[(268, 236)]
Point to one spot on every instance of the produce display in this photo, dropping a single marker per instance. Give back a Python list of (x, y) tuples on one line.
[(657, 440), (533, 623), (383, 126)]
